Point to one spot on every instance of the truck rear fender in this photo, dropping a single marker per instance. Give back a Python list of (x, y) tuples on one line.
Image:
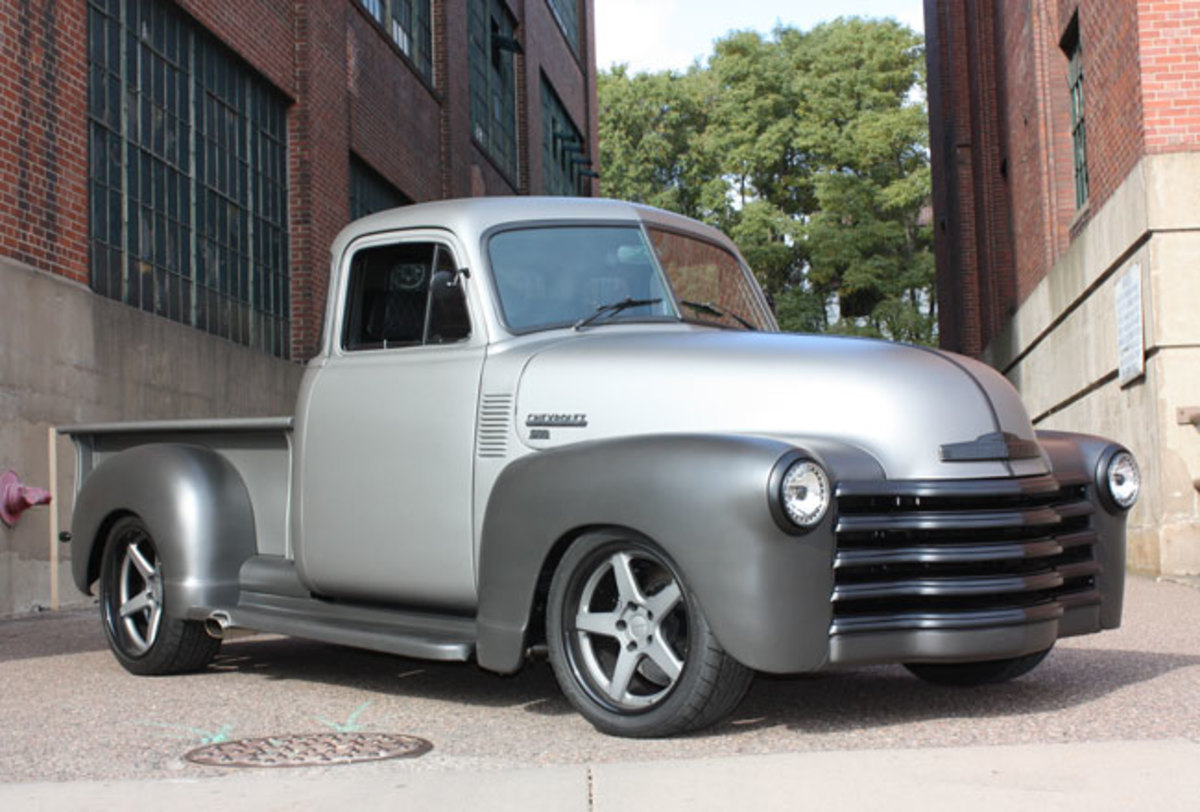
[(196, 507), (704, 500)]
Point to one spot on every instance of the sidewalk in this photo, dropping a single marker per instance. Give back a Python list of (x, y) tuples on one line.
[(1158, 775)]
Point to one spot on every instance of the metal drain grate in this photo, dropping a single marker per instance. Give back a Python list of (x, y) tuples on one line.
[(315, 750)]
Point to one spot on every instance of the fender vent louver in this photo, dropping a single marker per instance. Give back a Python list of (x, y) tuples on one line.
[(495, 414)]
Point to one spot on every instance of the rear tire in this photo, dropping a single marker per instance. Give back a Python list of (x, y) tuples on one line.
[(968, 675), (629, 644), (144, 637)]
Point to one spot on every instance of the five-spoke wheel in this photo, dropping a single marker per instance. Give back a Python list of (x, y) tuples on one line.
[(145, 638), (629, 644)]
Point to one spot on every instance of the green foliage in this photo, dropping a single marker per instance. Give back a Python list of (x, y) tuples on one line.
[(810, 149)]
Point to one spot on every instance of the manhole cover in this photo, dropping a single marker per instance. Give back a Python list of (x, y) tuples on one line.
[(316, 750)]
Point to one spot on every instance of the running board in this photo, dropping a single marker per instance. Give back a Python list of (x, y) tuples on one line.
[(273, 600)]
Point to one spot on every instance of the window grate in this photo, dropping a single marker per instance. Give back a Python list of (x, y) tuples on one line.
[(187, 178), (492, 30), (564, 153)]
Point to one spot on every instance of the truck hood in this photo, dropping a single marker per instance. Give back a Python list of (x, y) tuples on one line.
[(899, 403)]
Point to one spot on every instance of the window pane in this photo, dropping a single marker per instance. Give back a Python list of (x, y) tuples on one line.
[(389, 292), (705, 274), (185, 94), (553, 277), (563, 151)]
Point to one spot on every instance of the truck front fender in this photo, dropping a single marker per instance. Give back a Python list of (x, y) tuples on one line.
[(704, 500), (196, 508)]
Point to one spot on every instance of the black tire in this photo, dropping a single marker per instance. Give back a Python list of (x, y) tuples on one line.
[(969, 675), (145, 638), (618, 674)]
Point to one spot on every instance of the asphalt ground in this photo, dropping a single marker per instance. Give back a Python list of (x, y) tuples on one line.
[(70, 713)]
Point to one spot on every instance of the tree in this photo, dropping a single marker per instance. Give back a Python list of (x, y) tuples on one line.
[(810, 149)]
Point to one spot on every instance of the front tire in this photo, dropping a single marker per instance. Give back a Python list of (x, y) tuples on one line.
[(969, 675), (629, 644), (143, 635)]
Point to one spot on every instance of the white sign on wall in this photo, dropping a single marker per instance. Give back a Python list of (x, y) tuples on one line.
[(1131, 344)]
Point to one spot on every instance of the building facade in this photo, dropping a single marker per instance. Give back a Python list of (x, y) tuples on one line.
[(1065, 139), (172, 173)]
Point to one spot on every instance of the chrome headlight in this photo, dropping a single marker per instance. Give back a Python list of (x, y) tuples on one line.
[(804, 493), (1122, 479)]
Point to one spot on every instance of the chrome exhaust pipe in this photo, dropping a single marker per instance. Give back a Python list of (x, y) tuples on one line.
[(216, 624), (219, 626)]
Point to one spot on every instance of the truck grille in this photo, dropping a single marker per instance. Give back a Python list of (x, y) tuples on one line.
[(961, 554)]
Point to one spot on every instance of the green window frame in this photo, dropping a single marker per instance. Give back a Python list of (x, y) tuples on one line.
[(187, 179), (371, 192), (409, 24), (564, 152), (493, 49), (1074, 50), (566, 14)]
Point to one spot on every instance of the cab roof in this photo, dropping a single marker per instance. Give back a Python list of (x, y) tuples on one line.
[(472, 217)]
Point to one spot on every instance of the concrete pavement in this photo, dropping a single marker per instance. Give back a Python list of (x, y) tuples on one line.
[(1158, 775), (1109, 721)]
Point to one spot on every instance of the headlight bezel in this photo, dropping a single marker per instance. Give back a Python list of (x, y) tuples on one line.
[(777, 499), (1113, 458)]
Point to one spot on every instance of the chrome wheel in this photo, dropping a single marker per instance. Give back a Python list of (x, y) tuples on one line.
[(140, 593), (629, 643), (143, 635), (630, 630)]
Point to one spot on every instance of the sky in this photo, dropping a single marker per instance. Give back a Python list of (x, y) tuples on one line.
[(653, 35)]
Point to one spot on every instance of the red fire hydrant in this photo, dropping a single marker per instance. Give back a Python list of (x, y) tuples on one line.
[(16, 498)]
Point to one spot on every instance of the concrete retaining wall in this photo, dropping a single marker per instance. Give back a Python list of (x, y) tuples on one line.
[(70, 356)]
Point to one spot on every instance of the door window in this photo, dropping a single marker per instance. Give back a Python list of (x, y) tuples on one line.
[(403, 295)]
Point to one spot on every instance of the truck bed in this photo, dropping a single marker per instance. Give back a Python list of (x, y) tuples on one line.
[(259, 448)]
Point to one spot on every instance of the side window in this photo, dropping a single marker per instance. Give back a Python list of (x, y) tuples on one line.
[(404, 295)]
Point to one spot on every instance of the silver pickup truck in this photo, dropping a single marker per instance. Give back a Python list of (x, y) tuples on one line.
[(572, 427)]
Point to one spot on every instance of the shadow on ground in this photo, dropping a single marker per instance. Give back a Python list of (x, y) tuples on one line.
[(830, 702)]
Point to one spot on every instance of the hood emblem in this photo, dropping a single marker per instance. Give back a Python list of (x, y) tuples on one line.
[(994, 446), (556, 420)]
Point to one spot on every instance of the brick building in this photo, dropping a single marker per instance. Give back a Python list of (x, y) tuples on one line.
[(173, 173), (1065, 139)]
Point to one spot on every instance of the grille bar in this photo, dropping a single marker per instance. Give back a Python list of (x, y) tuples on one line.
[(947, 554), (961, 554), (948, 587)]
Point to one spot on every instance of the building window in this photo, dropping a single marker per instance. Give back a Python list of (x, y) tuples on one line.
[(187, 179), (566, 12), (493, 82), (407, 22), (370, 192), (1074, 51), (564, 155)]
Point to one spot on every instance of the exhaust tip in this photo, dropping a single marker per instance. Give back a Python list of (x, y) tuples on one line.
[(216, 624)]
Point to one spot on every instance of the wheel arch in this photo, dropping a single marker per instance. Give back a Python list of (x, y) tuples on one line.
[(195, 506), (703, 500)]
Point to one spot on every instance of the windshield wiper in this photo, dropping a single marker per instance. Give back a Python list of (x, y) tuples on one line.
[(712, 310), (613, 308)]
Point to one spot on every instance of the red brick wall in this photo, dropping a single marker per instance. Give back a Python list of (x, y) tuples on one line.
[(259, 30), (1169, 37), (395, 117), (1004, 188), (43, 135), (1108, 30), (550, 53), (349, 90)]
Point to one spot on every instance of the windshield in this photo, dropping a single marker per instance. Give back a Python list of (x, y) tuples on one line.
[(562, 276), (559, 276)]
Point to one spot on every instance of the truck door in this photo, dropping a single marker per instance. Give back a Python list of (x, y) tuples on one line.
[(387, 432)]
